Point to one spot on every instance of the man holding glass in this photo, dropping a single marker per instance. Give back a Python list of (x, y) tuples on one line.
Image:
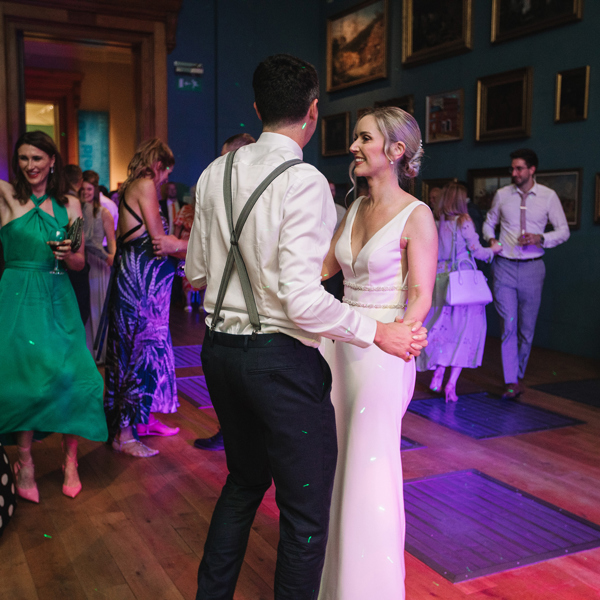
[(521, 211)]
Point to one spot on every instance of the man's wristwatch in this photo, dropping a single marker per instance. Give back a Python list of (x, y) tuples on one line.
[(542, 239)]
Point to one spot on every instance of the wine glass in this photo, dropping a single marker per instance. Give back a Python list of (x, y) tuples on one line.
[(56, 236)]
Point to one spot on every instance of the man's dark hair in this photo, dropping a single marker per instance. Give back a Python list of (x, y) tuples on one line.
[(528, 155), (73, 175), (284, 87)]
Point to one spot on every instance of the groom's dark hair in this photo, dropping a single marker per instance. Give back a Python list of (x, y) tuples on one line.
[(284, 88)]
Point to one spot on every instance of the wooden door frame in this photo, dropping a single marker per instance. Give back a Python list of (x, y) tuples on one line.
[(146, 38)]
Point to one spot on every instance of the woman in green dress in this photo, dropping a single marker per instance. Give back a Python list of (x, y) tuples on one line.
[(49, 380)]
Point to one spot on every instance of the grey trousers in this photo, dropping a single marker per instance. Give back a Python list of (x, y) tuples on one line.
[(517, 289)]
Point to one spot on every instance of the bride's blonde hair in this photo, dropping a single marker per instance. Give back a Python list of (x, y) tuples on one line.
[(396, 125)]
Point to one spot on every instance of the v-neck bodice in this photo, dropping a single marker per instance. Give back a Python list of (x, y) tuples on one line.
[(376, 280)]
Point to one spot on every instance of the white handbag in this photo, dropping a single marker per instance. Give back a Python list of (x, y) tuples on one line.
[(466, 286)]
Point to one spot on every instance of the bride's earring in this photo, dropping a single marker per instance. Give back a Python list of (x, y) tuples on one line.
[(391, 162)]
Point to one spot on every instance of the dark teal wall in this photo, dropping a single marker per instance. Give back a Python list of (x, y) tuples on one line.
[(230, 37), (569, 317)]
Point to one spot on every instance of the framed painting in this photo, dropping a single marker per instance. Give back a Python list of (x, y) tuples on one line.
[(484, 183), (512, 19), (335, 134), (406, 103), (357, 45), (567, 185), (431, 190), (572, 95), (504, 105), (444, 114), (597, 202), (435, 29)]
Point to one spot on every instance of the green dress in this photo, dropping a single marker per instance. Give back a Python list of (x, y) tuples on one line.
[(48, 379)]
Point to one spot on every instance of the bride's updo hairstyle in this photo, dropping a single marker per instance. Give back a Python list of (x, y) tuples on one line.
[(396, 125)]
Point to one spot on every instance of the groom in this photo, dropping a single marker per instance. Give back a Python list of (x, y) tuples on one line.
[(267, 380)]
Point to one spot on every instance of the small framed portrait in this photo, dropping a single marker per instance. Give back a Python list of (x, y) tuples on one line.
[(484, 183), (444, 114), (512, 19), (435, 29), (504, 105), (335, 134), (597, 202), (357, 45), (406, 103), (431, 190), (572, 95), (567, 185)]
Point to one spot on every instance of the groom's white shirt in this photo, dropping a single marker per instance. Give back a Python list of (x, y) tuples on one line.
[(284, 242)]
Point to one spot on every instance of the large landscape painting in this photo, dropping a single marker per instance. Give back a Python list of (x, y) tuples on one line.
[(357, 46)]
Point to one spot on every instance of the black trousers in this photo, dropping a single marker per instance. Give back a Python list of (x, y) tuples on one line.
[(272, 397)]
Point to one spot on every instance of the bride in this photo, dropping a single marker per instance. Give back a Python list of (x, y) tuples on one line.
[(386, 248)]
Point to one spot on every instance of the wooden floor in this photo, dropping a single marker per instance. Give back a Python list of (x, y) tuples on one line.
[(138, 527)]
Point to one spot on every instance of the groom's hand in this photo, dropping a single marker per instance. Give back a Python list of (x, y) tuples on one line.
[(403, 340)]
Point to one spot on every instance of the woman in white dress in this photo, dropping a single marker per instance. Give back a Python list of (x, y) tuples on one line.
[(456, 333), (387, 249), (98, 225)]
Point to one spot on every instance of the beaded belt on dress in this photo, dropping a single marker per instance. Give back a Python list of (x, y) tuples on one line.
[(373, 288), (26, 265)]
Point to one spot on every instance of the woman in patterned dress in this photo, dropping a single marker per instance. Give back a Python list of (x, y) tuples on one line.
[(140, 366)]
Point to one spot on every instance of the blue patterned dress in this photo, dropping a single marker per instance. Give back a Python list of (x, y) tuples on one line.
[(140, 365)]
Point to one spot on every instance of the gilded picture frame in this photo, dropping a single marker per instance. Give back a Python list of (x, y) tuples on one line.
[(567, 185), (512, 19), (504, 103), (597, 201), (444, 114), (572, 95), (435, 29), (406, 103), (484, 183), (357, 45), (335, 134)]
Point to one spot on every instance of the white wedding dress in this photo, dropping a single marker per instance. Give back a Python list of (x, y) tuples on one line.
[(371, 391)]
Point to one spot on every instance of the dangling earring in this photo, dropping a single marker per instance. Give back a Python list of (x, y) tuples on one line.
[(51, 169)]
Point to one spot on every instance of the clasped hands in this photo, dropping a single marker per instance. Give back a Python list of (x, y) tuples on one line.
[(400, 338)]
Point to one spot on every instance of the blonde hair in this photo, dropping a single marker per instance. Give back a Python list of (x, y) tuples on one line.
[(146, 156), (453, 202), (396, 125)]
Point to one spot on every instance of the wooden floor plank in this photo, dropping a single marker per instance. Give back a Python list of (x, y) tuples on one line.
[(137, 529)]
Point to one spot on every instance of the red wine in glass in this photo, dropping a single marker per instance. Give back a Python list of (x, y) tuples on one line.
[(56, 237)]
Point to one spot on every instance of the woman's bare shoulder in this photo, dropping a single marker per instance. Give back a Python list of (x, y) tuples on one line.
[(7, 191)]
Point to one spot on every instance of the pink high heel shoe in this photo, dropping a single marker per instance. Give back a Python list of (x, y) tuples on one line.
[(30, 493), (71, 490), (450, 393)]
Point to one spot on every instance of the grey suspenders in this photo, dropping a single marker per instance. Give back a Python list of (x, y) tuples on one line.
[(234, 255)]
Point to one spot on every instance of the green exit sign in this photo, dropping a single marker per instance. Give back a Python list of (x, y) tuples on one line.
[(189, 84)]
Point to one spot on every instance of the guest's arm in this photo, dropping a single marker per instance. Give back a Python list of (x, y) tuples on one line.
[(108, 223)]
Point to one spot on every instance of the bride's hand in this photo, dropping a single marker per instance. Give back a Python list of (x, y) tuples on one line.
[(420, 333), (399, 338)]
